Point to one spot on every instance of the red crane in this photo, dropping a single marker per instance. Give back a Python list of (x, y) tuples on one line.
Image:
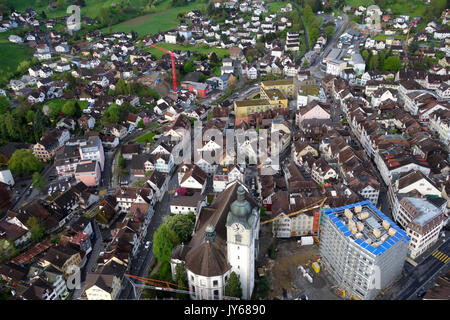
[(172, 57)]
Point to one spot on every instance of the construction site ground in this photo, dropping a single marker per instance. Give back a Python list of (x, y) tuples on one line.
[(283, 272)]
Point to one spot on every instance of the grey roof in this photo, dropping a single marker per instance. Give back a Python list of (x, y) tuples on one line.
[(427, 210)]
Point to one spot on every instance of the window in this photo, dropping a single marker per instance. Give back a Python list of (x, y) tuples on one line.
[(216, 293), (215, 283)]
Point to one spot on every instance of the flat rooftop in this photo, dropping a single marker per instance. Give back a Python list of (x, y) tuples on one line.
[(274, 94), (278, 83), (254, 102), (367, 226), (427, 210)]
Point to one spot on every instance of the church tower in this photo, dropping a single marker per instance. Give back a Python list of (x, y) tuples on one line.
[(242, 241)]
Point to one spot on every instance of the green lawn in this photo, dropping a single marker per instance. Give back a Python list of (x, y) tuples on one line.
[(158, 53), (409, 7), (164, 18), (91, 8), (275, 6), (383, 37), (357, 3), (61, 102), (12, 55), (412, 8), (148, 137)]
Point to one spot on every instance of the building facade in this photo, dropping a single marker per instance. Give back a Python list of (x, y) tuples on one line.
[(362, 249)]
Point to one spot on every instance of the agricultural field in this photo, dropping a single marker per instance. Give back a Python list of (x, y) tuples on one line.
[(164, 18), (91, 9), (204, 50)]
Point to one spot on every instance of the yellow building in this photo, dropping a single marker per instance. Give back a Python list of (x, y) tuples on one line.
[(285, 86), (269, 99)]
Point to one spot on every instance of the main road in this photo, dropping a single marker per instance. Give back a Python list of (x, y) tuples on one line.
[(421, 276), (315, 68)]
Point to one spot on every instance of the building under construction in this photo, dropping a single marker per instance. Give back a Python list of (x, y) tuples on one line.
[(362, 249)]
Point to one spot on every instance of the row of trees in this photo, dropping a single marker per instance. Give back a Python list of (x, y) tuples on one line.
[(313, 24)]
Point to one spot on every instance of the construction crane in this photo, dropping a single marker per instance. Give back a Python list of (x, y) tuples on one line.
[(407, 37), (315, 205), (172, 58), (155, 284)]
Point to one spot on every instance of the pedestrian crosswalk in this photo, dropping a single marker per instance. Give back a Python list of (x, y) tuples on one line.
[(441, 256)]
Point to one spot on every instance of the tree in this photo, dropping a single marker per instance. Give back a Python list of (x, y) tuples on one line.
[(80, 3), (392, 63), (213, 58), (263, 287), (4, 104), (12, 126), (182, 225), (373, 62), (30, 116), (36, 228), (181, 274), (140, 124), (210, 9), (164, 240), (181, 280), (69, 108), (39, 182), (60, 4), (365, 54), (121, 162), (413, 47), (23, 162), (23, 66), (112, 114), (54, 111), (329, 31), (233, 286), (40, 123), (188, 67), (191, 215), (7, 249)]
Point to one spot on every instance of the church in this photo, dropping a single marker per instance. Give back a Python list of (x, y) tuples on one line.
[(225, 240)]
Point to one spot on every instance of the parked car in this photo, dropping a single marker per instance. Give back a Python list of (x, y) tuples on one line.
[(147, 244), (421, 293)]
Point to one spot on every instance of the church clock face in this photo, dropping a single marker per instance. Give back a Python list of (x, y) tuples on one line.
[(237, 227)]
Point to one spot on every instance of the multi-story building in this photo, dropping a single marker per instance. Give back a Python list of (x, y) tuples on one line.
[(46, 148), (362, 249), (422, 221), (414, 181), (66, 160), (271, 97), (88, 172), (92, 149), (285, 86)]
